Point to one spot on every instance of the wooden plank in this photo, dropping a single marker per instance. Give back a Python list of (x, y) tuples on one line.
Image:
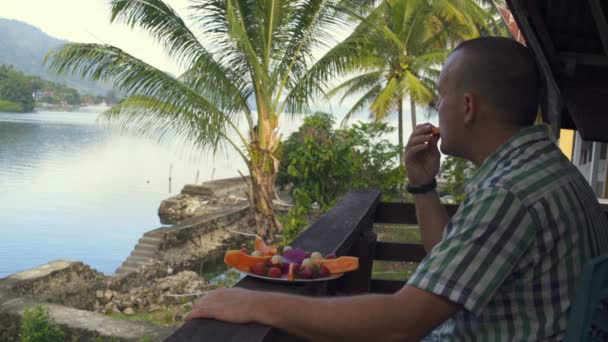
[(600, 22), (386, 286), (359, 280), (334, 232), (584, 58), (403, 213), (532, 25), (394, 251)]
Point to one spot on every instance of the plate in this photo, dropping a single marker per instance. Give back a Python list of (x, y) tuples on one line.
[(284, 279)]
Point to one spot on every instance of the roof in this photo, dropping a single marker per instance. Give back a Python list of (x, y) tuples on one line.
[(570, 41)]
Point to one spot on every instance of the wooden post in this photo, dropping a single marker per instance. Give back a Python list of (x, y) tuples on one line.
[(359, 281)]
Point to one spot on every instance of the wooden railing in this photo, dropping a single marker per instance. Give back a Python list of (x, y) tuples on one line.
[(347, 229)]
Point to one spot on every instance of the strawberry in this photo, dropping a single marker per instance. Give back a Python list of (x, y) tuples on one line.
[(245, 251), (274, 272), (324, 272), (258, 268), (306, 273)]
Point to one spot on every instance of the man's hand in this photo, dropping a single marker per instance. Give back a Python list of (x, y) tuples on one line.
[(422, 156), (228, 304)]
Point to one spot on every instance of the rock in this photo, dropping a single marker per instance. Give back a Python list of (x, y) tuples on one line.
[(154, 307), (129, 311), (115, 310), (108, 295), (169, 271), (99, 294)]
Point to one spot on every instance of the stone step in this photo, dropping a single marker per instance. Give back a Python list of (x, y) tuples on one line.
[(153, 234), (131, 264), (150, 240), (142, 260), (143, 253), (146, 247), (125, 270)]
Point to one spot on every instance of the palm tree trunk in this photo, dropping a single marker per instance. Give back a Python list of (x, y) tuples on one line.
[(413, 109), (400, 119), (263, 168)]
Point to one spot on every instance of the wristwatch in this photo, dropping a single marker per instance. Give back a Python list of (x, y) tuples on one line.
[(423, 189)]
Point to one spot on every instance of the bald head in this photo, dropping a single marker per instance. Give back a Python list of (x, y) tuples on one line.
[(502, 73)]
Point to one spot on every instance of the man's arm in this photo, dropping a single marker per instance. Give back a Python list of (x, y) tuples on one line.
[(432, 218), (407, 315), (422, 164)]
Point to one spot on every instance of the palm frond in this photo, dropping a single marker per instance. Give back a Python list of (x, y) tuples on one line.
[(132, 77), (362, 104)]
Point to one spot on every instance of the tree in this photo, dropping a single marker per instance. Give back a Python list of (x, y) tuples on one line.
[(397, 51), (252, 56), (15, 88), (456, 171)]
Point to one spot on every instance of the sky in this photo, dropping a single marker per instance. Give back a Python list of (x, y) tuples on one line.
[(88, 21)]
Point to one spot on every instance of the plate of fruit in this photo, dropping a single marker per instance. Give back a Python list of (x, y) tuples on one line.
[(289, 264)]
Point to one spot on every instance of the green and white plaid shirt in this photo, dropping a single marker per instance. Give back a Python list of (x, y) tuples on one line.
[(513, 252)]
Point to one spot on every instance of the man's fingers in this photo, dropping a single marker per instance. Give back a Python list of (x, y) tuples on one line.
[(425, 128), (417, 140), (417, 148)]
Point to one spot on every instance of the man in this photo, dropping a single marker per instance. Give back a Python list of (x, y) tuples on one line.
[(505, 266)]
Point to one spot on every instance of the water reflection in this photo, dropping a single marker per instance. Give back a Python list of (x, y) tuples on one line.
[(72, 189)]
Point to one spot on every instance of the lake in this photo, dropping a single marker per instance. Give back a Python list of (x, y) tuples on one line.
[(71, 188)]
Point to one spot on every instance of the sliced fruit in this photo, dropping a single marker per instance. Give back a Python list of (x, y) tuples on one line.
[(245, 250), (262, 247), (339, 265), (435, 130), (293, 271), (324, 272), (307, 262), (257, 254), (316, 255), (275, 272), (241, 261), (306, 273), (330, 256), (259, 268)]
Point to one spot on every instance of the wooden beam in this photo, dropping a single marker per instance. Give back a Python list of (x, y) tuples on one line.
[(600, 22), (403, 213), (539, 40), (394, 251), (584, 58)]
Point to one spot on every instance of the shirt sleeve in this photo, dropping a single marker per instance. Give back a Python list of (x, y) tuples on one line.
[(481, 247)]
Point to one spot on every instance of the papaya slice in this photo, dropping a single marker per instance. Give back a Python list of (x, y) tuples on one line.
[(339, 265), (435, 130), (262, 247), (242, 261), (293, 270)]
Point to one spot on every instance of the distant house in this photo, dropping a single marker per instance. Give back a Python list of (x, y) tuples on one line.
[(38, 95)]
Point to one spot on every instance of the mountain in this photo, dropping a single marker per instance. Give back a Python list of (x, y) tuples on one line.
[(24, 46)]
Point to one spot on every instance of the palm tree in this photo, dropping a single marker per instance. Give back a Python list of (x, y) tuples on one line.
[(396, 52), (250, 56)]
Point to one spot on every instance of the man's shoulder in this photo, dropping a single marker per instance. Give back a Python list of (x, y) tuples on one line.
[(531, 172)]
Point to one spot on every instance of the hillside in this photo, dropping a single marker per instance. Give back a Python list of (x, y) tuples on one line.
[(24, 46)]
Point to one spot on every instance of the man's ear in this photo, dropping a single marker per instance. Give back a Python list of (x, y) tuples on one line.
[(470, 108)]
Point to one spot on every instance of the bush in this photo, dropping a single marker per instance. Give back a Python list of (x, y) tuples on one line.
[(37, 325), (323, 164)]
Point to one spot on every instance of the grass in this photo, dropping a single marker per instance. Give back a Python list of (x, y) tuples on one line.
[(395, 233), (163, 318), (8, 106)]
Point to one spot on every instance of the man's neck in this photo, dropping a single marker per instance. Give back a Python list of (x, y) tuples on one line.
[(488, 142)]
